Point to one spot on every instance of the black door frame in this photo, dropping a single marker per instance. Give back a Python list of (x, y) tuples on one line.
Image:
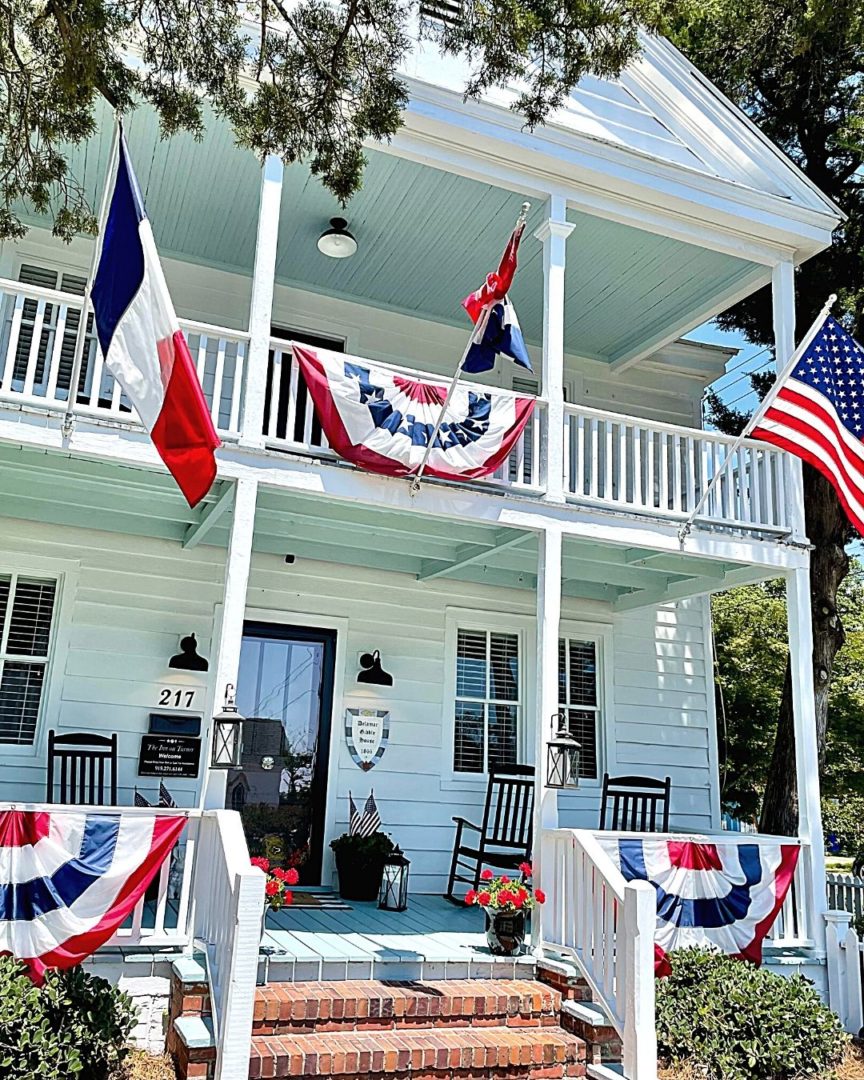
[(327, 638)]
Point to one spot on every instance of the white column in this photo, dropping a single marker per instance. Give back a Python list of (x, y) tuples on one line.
[(553, 235), (227, 663), (548, 623), (261, 303), (798, 613), (783, 298)]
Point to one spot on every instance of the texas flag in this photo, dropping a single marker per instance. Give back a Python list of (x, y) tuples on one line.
[(143, 344), (499, 333)]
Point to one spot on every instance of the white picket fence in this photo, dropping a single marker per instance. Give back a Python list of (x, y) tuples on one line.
[(846, 893)]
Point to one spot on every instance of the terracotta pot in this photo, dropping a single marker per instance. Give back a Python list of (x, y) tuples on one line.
[(505, 932)]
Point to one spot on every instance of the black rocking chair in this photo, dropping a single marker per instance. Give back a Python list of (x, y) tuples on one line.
[(504, 838), (635, 803), (83, 759)]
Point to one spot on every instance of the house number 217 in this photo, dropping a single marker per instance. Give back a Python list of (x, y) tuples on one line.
[(176, 698)]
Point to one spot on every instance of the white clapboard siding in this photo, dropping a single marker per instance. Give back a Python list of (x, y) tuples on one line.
[(406, 622), (134, 599)]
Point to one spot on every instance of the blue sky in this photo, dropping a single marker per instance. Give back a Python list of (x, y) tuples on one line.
[(734, 387)]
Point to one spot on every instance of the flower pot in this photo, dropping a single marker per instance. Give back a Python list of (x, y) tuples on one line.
[(505, 932), (359, 878)]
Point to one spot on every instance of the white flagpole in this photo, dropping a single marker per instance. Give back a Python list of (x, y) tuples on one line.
[(81, 335), (766, 404), (476, 335)]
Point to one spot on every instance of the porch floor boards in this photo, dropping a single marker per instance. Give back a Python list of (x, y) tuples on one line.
[(433, 939)]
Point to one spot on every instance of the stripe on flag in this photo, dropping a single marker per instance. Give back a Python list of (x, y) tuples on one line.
[(370, 821), (818, 414), (166, 799), (143, 345), (353, 817), (68, 880)]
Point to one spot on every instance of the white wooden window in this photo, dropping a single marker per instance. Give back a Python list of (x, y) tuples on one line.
[(487, 713), (26, 619), (578, 699)]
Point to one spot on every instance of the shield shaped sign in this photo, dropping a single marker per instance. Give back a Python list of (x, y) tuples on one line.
[(367, 732)]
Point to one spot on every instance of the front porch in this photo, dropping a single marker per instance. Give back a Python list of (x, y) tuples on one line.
[(434, 939)]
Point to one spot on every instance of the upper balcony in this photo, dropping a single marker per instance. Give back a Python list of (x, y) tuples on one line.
[(611, 461)]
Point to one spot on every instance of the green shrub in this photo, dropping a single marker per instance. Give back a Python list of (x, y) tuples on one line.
[(844, 819), (738, 1022), (74, 1025)]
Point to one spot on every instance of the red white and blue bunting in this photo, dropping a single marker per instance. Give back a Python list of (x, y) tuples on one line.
[(68, 879), (383, 421), (710, 894)]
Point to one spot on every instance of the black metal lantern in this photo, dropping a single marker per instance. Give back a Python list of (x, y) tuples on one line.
[(393, 894), (227, 734), (562, 764)]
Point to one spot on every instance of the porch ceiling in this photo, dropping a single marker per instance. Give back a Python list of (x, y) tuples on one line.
[(426, 237), (58, 490)]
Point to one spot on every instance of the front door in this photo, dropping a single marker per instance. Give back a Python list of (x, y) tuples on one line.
[(285, 691)]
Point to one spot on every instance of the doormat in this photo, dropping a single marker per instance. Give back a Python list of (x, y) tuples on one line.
[(305, 900)]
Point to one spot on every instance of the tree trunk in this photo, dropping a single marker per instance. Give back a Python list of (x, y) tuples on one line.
[(828, 531)]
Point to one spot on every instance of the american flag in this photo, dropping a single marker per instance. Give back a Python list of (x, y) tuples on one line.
[(817, 413), (366, 823), (140, 801), (166, 799)]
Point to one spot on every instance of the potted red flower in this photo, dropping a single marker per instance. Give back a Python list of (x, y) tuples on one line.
[(277, 891), (505, 902)]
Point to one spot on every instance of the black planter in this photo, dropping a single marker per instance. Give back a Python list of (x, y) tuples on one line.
[(359, 878), (505, 932)]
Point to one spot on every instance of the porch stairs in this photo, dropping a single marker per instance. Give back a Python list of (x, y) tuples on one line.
[(455, 1029)]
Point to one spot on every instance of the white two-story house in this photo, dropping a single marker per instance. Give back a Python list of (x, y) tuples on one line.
[(560, 585)]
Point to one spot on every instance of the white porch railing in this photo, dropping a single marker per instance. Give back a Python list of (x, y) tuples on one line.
[(661, 469), (37, 344), (606, 925), (845, 958), (229, 898), (290, 421)]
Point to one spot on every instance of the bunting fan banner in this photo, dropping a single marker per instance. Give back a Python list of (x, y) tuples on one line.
[(383, 421), (713, 895), (68, 880)]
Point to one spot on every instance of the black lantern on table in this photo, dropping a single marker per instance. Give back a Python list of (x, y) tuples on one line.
[(227, 734), (562, 763), (393, 894)]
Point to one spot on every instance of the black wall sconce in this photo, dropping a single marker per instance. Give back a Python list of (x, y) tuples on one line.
[(188, 659), (371, 670)]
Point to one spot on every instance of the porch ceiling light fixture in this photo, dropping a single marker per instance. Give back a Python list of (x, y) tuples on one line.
[(372, 672), (337, 242), (227, 734)]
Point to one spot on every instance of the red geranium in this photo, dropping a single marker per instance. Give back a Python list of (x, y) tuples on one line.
[(503, 894), (525, 868), (278, 879)]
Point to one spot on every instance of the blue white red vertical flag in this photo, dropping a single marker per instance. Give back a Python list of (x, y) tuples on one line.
[(817, 413), (710, 894), (143, 345), (69, 879)]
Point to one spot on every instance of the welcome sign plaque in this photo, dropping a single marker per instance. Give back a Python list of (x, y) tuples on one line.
[(367, 732)]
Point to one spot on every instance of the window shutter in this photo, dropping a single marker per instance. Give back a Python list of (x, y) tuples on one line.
[(446, 12), (46, 278), (26, 617), (530, 387)]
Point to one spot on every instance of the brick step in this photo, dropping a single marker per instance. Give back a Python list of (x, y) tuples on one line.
[(295, 1008), (427, 1053)]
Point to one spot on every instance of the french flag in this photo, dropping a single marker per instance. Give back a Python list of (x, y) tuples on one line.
[(143, 345)]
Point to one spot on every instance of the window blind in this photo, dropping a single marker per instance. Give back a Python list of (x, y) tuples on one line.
[(486, 732), (26, 620), (577, 699), (47, 278)]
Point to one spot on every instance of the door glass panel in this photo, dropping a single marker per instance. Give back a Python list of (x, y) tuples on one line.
[(280, 788)]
